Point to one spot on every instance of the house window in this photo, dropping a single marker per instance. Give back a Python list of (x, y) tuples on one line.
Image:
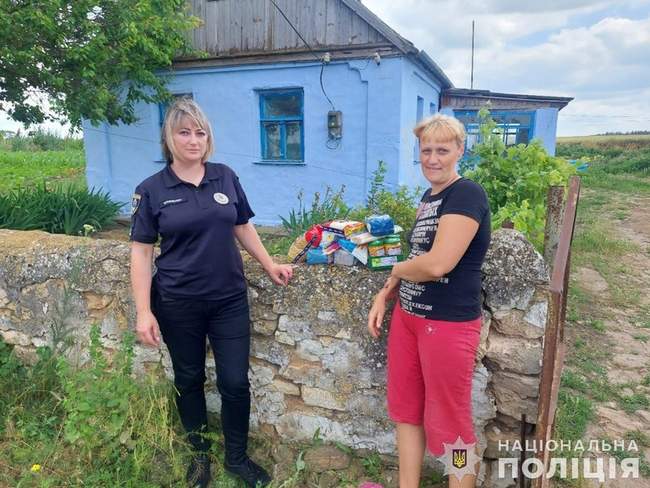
[(515, 127), (281, 125), (162, 107), (432, 108)]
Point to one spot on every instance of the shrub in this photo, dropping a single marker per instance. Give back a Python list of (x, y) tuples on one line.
[(401, 204), (60, 210), (516, 180)]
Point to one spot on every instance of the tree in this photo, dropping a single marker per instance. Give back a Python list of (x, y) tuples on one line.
[(91, 59)]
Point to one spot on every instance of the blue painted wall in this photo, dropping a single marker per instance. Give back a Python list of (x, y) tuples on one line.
[(415, 84), (369, 95), (546, 128)]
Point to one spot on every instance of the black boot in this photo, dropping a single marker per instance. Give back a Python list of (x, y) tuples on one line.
[(198, 473), (253, 475)]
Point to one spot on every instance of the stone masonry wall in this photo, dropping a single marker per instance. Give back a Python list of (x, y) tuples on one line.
[(313, 365)]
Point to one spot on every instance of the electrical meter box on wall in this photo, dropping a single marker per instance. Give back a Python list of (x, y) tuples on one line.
[(335, 124)]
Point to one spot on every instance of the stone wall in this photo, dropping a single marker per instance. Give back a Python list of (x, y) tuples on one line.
[(313, 365)]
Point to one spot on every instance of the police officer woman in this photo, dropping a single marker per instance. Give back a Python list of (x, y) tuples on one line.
[(199, 209)]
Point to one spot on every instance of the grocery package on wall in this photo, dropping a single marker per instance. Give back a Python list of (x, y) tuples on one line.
[(375, 243)]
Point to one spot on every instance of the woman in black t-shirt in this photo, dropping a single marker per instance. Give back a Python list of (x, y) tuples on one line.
[(199, 210), (436, 323)]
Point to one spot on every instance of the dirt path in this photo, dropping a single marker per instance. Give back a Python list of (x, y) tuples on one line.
[(621, 333)]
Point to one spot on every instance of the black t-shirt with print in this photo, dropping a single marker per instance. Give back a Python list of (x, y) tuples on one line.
[(455, 297)]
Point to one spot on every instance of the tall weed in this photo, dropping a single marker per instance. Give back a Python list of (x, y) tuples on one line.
[(328, 207), (89, 426), (58, 210)]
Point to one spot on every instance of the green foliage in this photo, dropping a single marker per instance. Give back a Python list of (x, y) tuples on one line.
[(29, 168), (40, 140), (401, 204), (90, 59), (516, 180), (38, 405), (60, 210), (330, 207), (97, 399), (372, 466)]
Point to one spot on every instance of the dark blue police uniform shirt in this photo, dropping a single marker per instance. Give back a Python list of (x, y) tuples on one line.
[(199, 257)]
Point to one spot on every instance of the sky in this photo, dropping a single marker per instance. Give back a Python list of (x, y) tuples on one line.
[(595, 51)]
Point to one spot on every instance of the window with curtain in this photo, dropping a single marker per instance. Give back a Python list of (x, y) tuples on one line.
[(282, 125)]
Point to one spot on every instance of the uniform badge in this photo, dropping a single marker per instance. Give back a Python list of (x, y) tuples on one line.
[(460, 458), (135, 203), (220, 198)]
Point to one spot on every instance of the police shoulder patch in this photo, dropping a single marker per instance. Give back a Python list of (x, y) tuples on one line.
[(135, 203)]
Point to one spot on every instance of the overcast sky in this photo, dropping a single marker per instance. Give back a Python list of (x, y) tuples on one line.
[(597, 52)]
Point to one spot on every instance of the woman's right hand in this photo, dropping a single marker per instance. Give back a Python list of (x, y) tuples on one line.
[(376, 314), (147, 329)]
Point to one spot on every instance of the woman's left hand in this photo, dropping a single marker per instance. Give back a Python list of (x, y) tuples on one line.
[(280, 273)]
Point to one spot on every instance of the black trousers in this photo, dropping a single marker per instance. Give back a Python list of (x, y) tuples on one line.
[(184, 325)]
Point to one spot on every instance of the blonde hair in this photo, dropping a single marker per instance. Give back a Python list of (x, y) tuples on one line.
[(180, 108), (442, 128)]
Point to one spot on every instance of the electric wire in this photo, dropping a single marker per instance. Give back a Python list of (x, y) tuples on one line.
[(310, 49)]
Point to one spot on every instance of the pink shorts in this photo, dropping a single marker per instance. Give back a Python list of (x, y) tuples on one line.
[(430, 370)]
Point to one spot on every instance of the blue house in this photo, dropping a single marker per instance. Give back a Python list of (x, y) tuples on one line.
[(302, 94)]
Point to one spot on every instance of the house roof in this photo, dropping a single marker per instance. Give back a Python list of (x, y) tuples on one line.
[(276, 42), (454, 97), (401, 43)]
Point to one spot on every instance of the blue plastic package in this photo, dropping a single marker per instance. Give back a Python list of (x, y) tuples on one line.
[(317, 256), (347, 245), (380, 225)]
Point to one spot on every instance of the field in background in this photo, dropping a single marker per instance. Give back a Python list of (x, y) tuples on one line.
[(605, 390), (643, 140), (41, 157)]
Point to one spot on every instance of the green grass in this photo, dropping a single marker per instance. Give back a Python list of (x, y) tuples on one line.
[(27, 168), (574, 413), (620, 183), (634, 402), (597, 240), (596, 324)]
